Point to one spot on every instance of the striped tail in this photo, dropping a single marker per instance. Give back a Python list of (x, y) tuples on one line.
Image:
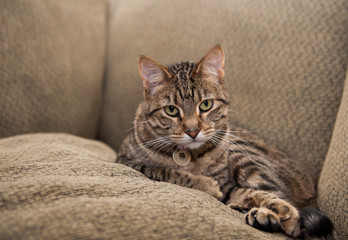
[(316, 225)]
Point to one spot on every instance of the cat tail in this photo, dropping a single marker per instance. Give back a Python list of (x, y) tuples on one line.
[(316, 225)]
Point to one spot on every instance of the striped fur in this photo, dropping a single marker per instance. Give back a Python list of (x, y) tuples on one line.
[(229, 163)]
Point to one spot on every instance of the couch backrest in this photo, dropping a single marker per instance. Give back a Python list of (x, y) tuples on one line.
[(51, 66), (285, 65)]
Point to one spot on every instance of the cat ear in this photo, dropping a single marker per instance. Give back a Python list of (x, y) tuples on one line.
[(212, 65), (153, 74)]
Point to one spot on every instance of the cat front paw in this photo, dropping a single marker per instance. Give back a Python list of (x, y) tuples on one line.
[(275, 215), (263, 219), (208, 185)]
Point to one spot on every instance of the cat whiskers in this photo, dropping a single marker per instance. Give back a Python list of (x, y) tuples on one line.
[(161, 147), (221, 140), (233, 111), (228, 147), (153, 144), (145, 145), (218, 143), (157, 145), (229, 133)]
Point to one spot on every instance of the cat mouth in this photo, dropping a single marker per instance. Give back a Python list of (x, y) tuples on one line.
[(186, 142)]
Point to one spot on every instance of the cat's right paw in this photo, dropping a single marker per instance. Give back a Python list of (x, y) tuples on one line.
[(208, 185)]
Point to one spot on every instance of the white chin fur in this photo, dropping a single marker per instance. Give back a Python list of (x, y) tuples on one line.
[(194, 145)]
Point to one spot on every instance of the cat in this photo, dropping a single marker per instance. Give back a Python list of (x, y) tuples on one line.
[(181, 135)]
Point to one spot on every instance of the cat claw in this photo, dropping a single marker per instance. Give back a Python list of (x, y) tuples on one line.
[(238, 208)]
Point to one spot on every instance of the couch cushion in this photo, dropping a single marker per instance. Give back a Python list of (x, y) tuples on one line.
[(333, 183), (51, 67), (285, 63), (56, 186)]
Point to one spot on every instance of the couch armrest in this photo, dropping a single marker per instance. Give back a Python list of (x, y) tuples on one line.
[(333, 183)]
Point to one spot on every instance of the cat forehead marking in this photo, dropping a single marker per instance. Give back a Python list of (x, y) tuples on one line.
[(183, 81)]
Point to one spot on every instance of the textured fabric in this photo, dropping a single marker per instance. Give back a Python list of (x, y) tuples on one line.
[(285, 63), (56, 186), (51, 66), (333, 183)]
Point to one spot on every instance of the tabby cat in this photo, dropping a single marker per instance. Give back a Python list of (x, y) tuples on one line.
[(181, 135)]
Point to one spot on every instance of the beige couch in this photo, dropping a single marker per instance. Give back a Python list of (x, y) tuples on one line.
[(69, 88)]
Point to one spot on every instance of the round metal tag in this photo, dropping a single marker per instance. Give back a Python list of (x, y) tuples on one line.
[(182, 158)]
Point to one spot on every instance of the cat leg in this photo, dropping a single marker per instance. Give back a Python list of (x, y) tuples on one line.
[(202, 183), (186, 179), (266, 211), (177, 176)]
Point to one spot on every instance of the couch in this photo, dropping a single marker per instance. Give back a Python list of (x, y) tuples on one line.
[(69, 87)]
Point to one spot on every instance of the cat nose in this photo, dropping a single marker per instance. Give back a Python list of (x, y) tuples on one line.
[(191, 127), (192, 133)]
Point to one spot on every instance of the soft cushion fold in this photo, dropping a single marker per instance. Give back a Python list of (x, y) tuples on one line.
[(56, 186)]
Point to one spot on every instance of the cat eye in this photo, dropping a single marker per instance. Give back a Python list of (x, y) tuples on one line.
[(206, 105), (171, 111)]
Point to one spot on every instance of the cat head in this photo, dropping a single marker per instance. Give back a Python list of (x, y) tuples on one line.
[(185, 103)]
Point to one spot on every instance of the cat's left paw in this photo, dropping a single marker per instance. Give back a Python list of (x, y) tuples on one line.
[(275, 215), (263, 219)]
